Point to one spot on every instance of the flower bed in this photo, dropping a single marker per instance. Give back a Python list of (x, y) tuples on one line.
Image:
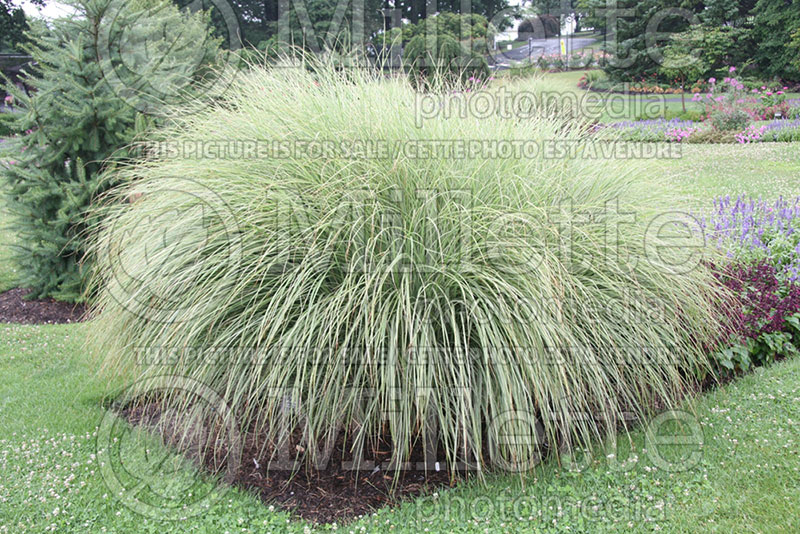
[(732, 113), (762, 240), (781, 131), (582, 59), (634, 88), (756, 230), (678, 130), (651, 86), (731, 96), (730, 107), (763, 318), (654, 130)]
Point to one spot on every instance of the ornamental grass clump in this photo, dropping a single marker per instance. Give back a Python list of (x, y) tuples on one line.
[(330, 267)]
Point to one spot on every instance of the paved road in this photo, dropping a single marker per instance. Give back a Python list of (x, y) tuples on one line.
[(537, 48)]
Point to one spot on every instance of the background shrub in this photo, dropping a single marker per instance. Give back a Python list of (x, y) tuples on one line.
[(442, 61), (712, 135), (539, 27), (755, 32), (593, 77), (342, 275), (729, 120), (78, 122)]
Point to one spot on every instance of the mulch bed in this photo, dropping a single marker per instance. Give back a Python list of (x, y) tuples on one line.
[(325, 495), (335, 494), (14, 308), (332, 493), (321, 496)]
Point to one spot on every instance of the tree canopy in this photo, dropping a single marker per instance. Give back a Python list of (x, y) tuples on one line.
[(13, 25), (259, 19), (752, 33)]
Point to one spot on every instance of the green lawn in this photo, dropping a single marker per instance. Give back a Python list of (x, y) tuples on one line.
[(50, 471), (704, 172), (629, 107), (618, 107), (742, 475), (503, 45)]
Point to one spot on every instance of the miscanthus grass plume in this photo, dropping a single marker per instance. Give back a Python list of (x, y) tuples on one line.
[(407, 294)]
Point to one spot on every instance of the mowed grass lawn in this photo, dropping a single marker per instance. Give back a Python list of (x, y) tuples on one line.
[(743, 474)]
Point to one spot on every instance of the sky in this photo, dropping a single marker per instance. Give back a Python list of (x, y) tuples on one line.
[(52, 10)]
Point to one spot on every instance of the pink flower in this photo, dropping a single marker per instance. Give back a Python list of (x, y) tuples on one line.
[(712, 80), (732, 69), (9, 100), (768, 93), (779, 93)]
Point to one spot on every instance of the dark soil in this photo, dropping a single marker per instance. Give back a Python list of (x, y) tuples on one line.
[(330, 493), (334, 493), (14, 308)]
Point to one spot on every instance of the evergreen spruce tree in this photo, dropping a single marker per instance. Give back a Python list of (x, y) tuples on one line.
[(78, 123)]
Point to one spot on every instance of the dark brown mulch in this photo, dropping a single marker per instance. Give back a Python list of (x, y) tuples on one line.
[(332, 493), (14, 308)]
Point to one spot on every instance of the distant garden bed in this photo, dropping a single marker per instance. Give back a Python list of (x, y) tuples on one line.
[(730, 113), (679, 130), (597, 81)]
